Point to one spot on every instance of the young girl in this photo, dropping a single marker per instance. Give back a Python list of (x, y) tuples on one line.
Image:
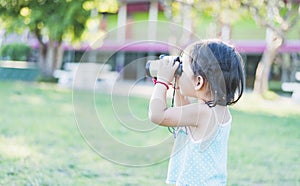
[(213, 74)]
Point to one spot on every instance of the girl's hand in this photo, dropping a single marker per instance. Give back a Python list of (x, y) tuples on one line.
[(166, 69)]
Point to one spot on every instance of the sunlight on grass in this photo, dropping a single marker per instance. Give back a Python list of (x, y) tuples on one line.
[(15, 148), (279, 106), (40, 143)]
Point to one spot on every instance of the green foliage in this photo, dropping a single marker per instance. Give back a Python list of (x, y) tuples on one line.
[(270, 95), (46, 79), (16, 52), (57, 20), (222, 10), (279, 16), (52, 22)]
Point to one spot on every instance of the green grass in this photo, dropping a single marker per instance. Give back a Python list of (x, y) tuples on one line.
[(40, 143)]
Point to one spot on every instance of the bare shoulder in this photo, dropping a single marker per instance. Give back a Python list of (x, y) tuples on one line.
[(214, 117), (203, 113), (223, 114)]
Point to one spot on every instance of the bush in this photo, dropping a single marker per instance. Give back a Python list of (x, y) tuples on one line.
[(270, 95), (45, 79), (15, 52)]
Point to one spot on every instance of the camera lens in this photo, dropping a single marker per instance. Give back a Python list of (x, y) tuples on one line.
[(179, 70), (147, 68)]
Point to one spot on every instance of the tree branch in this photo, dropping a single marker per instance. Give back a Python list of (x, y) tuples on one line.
[(38, 35), (262, 21), (294, 21)]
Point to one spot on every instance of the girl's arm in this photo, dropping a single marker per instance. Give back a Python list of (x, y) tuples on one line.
[(159, 113), (187, 115)]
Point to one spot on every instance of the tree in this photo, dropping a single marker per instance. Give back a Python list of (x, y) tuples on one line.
[(186, 11), (50, 21), (278, 17), (224, 12)]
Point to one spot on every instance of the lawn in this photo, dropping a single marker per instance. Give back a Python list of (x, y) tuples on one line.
[(41, 144)]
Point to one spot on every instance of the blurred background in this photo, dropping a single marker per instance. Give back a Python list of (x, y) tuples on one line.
[(47, 35), (50, 47)]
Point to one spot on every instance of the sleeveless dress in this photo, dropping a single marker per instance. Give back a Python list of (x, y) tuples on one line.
[(194, 163)]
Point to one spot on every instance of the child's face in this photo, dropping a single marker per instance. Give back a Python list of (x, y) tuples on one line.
[(186, 81)]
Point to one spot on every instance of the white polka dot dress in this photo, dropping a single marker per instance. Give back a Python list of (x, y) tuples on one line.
[(199, 163)]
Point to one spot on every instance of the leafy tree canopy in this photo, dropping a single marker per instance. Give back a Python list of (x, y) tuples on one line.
[(55, 19)]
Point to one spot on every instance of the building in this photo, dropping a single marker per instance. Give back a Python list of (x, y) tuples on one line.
[(140, 31)]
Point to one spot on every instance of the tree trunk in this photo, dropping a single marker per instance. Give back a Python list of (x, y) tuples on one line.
[(187, 23), (286, 66), (263, 70), (51, 57), (274, 42), (42, 58), (226, 32), (59, 56)]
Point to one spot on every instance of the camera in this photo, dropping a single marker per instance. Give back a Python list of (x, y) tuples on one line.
[(152, 66)]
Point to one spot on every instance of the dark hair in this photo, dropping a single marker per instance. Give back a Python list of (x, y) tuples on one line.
[(221, 67)]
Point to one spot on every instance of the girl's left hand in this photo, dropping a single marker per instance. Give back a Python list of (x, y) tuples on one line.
[(166, 69)]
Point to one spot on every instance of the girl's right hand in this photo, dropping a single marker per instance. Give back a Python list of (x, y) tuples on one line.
[(166, 69)]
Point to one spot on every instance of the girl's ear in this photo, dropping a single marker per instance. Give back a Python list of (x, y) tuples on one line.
[(199, 83)]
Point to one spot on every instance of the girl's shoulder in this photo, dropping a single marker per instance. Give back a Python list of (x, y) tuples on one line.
[(195, 113), (219, 114), (214, 118), (222, 115)]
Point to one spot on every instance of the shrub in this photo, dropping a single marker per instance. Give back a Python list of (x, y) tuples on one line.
[(45, 79), (15, 51)]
